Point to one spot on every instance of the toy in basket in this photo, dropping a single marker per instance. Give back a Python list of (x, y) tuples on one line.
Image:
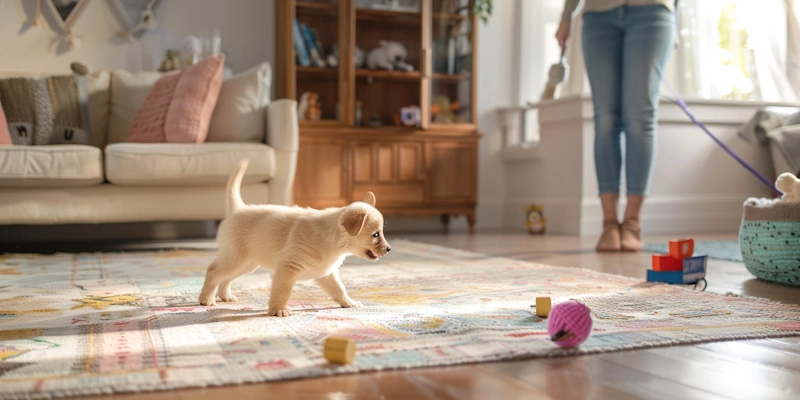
[(680, 266)]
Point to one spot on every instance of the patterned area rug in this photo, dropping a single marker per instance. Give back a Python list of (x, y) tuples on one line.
[(103, 323), (721, 250)]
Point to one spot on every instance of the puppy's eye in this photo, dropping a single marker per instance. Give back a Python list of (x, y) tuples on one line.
[(375, 235)]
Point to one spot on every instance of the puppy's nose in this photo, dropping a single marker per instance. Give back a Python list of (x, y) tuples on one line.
[(388, 249)]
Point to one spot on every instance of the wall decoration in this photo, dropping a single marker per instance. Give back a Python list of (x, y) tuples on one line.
[(138, 16), (65, 13)]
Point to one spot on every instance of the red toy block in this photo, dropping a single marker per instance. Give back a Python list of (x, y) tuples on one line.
[(682, 248), (665, 262)]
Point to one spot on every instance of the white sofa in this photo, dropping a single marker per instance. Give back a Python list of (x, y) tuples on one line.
[(113, 181)]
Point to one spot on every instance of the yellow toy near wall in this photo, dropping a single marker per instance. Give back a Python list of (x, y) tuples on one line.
[(534, 219)]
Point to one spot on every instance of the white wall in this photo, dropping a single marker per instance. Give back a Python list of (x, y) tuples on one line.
[(696, 187), (246, 26)]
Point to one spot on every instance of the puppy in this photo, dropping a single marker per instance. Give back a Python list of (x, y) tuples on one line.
[(295, 243)]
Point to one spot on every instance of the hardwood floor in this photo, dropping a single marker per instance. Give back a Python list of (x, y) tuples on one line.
[(753, 369)]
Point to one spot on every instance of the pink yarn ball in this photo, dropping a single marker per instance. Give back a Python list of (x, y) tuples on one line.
[(571, 321)]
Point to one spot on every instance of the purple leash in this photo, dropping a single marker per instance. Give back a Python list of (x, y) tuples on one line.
[(727, 149)]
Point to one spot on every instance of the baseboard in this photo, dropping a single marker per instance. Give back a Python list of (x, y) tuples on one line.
[(674, 215)]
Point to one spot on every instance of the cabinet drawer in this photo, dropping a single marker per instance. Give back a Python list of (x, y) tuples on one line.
[(392, 193)]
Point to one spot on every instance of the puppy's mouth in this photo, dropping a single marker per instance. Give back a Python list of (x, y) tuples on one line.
[(372, 255)]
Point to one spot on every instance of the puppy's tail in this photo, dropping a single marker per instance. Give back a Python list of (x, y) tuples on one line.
[(234, 200)]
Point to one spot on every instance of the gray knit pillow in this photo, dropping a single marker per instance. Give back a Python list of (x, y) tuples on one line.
[(51, 110)]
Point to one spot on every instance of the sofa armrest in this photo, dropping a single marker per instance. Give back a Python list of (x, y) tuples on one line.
[(283, 135)]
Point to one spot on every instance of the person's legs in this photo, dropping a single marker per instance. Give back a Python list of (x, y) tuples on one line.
[(647, 46), (602, 52)]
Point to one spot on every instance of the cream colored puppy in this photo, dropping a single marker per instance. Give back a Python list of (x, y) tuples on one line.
[(295, 243)]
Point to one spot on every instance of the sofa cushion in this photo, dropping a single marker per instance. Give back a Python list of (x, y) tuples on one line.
[(240, 114), (149, 164), (128, 91), (66, 165)]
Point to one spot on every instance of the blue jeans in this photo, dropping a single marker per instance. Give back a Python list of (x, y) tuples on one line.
[(626, 50)]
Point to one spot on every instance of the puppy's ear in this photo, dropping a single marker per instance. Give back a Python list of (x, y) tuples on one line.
[(354, 221), (369, 198)]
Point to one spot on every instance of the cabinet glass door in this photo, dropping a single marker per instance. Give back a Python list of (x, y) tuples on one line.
[(388, 57), (452, 89), (315, 34)]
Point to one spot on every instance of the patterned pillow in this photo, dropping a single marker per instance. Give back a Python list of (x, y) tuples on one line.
[(51, 110), (5, 137), (178, 107)]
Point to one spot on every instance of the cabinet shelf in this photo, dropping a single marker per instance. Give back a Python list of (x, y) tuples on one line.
[(389, 75), (315, 7), (317, 72), (369, 14), (450, 77), (332, 73)]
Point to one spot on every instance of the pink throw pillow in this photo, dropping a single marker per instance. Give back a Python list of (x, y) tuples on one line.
[(194, 100), (5, 135), (148, 127), (179, 106)]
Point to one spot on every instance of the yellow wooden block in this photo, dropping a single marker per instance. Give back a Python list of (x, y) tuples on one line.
[(339, 350), (543, 305)]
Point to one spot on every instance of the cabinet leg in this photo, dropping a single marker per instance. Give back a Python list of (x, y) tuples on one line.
[(471, 222), (446, 223)]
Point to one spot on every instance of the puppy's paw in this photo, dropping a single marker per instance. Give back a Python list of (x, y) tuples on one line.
[(350, 303), (208, 302), (283, 312), (228, 297)]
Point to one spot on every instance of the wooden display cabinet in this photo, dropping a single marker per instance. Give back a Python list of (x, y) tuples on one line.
[(425, 170)]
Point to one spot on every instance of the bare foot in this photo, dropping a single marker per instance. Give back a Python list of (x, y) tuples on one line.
[(631, 240), (610, 239)]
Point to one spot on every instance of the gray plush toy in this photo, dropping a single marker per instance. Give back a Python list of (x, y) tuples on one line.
[(390, 55), (333, 58)]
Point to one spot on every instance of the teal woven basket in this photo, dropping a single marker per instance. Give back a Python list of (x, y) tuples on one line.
[(770, 240)]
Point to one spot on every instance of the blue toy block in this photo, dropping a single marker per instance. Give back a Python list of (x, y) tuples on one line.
[(673, 277), (694, 269)]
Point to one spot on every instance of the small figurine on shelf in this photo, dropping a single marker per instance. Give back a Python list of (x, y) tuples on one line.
[(443, 111), (333, 57), (191, 48), (358, 113), (171, 61), (309, 108), (410, 116), (389, 55), (374, 121)]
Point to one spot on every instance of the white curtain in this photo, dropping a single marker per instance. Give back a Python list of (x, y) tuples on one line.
[(695, 69), (769, 27)]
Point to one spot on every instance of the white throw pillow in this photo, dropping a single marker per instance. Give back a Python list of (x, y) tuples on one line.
[(128, 91), (240, 114)]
